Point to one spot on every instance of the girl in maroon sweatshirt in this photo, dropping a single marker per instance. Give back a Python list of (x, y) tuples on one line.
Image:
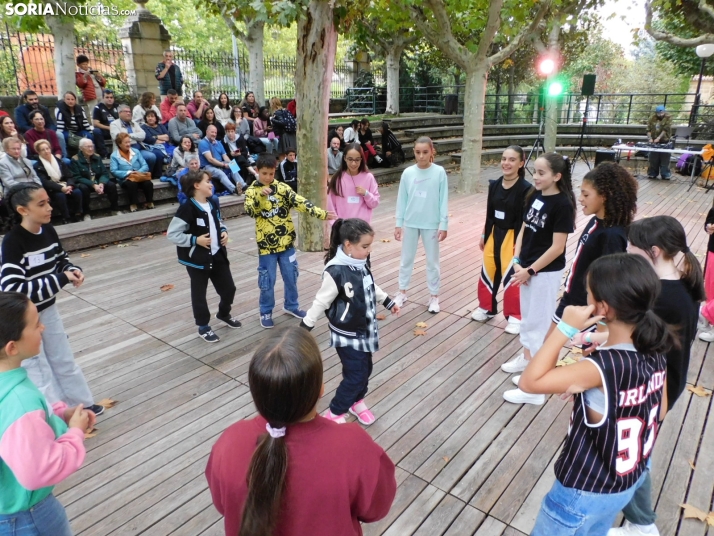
[(306, 475)]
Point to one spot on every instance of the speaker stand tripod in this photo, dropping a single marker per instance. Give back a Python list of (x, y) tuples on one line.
[(580, 153), (538, 145)]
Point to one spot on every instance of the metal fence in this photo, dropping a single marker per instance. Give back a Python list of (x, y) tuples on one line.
[(213, 73), (27, 62), (279, 80)]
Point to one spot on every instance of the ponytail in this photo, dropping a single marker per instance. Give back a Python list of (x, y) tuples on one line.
[(334, 240), (350, 230), (668, 235), (19, 195), (559, 163), (629, 285)]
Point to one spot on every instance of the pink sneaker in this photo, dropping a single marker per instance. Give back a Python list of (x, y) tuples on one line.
[(362, 412), (339, 419)]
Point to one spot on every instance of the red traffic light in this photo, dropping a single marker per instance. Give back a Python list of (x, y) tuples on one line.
[(546, 66)]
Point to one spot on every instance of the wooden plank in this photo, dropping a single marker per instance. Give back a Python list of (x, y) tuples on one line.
[(407, 491), (418, 510), (466, 523), (441, 518), (491, 527)]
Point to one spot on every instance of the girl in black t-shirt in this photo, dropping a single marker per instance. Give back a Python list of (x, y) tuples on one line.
[(539, 259), (504, 218)]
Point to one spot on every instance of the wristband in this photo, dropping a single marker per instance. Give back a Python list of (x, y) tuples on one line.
[(567, 330), (587, 338), (516, 260)]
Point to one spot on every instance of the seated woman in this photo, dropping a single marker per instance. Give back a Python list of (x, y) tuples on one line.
[(8, 130), (263, 130), (91, 175), (392, 153), (366, 140), (237, 148), (146, 103), (209, 118), (71, 118), (131, 172), (223, 109), (157, 135), (339, 133), (58, 180), (179, 161), (250, 109)]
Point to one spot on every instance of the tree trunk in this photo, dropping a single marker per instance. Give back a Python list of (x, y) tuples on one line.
[(393, 57), (317, 44), (474, 103), (254, 43), (511, 93), (63, 31)]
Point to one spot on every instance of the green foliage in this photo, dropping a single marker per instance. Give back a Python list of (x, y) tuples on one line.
[(684, 59)]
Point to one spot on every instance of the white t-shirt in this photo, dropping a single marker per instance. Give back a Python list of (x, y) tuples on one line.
[(215, 239)]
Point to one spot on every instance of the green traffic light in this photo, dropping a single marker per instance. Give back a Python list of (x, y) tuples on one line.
[(555, 89)]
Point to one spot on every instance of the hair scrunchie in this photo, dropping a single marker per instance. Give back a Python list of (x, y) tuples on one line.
[(275, 432)]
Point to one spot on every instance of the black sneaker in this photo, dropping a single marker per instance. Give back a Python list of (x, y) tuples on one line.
[(232, 321), (208, 335), (96, 409)]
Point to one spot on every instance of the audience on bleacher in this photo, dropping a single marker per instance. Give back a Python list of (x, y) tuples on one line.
[(72, 121), (91, 175), (169, 76), (8, 130), (168, 106), (185, 148), (351, 133), (197, 106), (223, 109), (58, 180), (366, 140), (263, 130), (90, 82), (39, 132), (339, 133), (182, 125), (146, 103), (3, 113), (217, 163), (334, 156), (250, 108), (15, 168), (284, 126), (157, 135), (237, 149), (391, 150), (103, 115), (209, 118), (131, 171), (153, 157), (30, 103)]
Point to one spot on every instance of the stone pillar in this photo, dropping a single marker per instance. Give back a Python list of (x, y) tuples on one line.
[(144, 39)]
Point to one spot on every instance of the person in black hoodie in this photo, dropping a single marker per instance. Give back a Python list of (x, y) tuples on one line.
[(72, 118), (348, 297), (392, 152), (201, 240), (287, 171)]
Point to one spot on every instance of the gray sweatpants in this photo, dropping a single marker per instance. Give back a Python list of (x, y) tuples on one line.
[(538, 303), (54, 371), (410, 241)]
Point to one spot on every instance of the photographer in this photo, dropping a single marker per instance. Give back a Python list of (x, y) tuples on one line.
[(90, 82), (659, 130)]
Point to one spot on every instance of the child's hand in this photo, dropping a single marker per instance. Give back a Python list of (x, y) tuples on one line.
[(204, 241), (224, 238), (580, 317), (266, 191), (395, 309), (481, 244), (331, 215), (73, 276), (442, 235), (360, 190), (398, 234), (80, 277), (521, 275), (79, 419)]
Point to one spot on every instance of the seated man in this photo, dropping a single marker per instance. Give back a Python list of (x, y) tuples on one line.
[(39, 132), (197, 106), (91, 175), (154, 158), (215, 160), (334, 156), (30, 103), (168, 106), (182, 125), (103, 115)]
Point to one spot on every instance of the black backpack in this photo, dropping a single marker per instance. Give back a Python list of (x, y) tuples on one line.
[(285, 120)]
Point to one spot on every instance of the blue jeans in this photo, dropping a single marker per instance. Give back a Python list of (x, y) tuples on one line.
[(572, 512), (356, 370), (267, 273), (46, 518), (658, 165)]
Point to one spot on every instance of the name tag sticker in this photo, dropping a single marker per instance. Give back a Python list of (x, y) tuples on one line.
[(201, 222), (420, 193), (500, 215), (537, 204), (292, 257), (36, 260), (353, 199)]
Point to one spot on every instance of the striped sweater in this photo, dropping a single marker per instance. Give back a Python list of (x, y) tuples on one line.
[(34, 264)]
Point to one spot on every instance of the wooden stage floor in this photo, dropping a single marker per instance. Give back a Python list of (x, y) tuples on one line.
[(468, 462)]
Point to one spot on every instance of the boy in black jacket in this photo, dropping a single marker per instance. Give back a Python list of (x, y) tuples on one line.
[(201, 240), (288, 170)]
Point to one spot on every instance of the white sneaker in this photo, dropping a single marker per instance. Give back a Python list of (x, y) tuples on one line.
[(514, 326), (703, 323), (87, 217), (481, 315), (518, 364), (630, 529), (516, 396), (433, 305), (516, 379), (707, 335), (400, 299)]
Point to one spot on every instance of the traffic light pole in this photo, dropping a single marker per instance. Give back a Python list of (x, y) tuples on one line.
[(580, 153)]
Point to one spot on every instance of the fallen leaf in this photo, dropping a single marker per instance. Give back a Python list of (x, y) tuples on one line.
[(150, 236), (91, 433), (567, 360), (123, 245), (104, 246), (418, 332), (165, 288), (85, 255), (446, 459), (693, 512), (698, 390), (691, 464), (108, 403), (421, 325), (381, 316), (386, 240), (648, 203), (137, 238), (710, 519)]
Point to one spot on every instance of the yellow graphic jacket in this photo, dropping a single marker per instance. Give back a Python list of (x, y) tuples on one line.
[(274, 229)]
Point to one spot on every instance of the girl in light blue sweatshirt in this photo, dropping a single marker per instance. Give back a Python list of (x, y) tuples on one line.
[(422, 210)]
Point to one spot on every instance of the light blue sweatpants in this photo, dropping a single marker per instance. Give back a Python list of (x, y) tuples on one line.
[(410, 241)]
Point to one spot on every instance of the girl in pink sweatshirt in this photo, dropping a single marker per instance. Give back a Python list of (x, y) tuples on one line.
[(352, 191), (39, 446)]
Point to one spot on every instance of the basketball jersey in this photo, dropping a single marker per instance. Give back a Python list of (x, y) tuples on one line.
[(610, 456)]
